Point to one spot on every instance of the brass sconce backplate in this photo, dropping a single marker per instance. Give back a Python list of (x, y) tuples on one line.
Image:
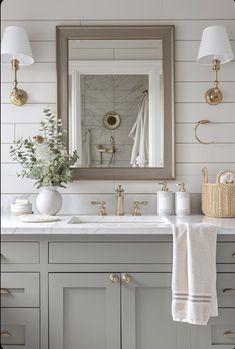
[(18, 97), (213, 96)]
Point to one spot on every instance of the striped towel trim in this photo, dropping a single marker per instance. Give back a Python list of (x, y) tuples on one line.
[(177, 296)]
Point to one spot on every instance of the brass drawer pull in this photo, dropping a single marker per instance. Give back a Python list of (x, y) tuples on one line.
[(126, 278), (4, 291), (114, 278), (5, 334), (229, 290), (229, 334)]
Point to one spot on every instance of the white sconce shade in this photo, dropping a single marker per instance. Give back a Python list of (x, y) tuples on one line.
[(15, 45), (215, 44)]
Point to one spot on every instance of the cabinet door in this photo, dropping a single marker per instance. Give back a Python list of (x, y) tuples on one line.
[(146, 314), (84, 311)]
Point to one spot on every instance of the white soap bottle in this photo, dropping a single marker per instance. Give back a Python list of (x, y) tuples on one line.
[(182, 201), (165, 201)]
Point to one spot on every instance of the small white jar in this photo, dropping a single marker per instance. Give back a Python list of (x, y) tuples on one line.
[(165, 202), (182, 201), (19, 210)]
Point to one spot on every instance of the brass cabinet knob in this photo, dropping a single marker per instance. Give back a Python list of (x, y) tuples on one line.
[(5, 334), (229, 334), (126, 278), (229, 290), (114, 278)]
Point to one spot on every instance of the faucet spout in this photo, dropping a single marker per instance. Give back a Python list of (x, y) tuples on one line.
[(119, 201)]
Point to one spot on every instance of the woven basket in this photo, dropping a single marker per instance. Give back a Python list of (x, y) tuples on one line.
[(218, 200)]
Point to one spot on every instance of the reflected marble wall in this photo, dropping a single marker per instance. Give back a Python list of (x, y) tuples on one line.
[(105, 93)]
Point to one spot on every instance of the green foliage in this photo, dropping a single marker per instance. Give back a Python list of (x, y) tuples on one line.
[(45, 158)]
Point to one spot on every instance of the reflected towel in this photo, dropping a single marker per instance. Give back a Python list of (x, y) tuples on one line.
[(194, 297), (139, 132)]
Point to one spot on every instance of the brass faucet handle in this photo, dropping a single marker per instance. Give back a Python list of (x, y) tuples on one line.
[(95, 202), (102, 209), (136, 209), (144, 203)]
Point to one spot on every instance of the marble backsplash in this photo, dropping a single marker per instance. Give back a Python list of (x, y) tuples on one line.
[(74, 204)]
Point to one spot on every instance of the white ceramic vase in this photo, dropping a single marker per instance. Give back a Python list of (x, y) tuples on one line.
[(49, 201)]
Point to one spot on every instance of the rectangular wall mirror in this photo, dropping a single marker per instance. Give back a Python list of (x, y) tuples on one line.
[(116, 100)]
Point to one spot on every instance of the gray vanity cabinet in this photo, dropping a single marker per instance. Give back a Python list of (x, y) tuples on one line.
[(105, 292), (84, 311)]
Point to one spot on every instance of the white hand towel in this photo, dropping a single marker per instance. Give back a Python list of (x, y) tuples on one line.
[(139, 132), (194, 297)]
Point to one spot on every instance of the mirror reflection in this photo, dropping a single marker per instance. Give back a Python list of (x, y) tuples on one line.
[(116, 102)]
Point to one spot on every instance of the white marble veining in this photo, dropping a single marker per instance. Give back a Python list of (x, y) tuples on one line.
[(144, 225)]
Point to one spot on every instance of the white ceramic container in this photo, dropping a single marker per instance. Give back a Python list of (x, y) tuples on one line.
[(19, 210), (49, 201), (182, 204), (165, 203)]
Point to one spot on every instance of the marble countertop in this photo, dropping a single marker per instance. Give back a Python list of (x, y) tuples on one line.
[(12, 225)]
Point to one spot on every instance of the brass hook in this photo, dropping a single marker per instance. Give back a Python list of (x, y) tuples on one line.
[(201, 122)]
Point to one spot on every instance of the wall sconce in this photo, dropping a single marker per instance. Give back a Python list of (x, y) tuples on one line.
[(15, 49), (215, 49)]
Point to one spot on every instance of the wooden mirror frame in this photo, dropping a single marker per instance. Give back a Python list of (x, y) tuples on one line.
[(156, 32)]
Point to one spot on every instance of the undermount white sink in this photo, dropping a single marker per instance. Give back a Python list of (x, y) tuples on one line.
[(118, 220)]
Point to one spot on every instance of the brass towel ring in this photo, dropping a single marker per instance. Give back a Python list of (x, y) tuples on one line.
[(200, 122)]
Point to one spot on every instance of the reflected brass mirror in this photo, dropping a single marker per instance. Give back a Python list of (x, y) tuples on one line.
[(116, 100)]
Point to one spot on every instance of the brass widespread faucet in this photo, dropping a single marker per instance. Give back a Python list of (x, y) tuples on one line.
[(119, 201)]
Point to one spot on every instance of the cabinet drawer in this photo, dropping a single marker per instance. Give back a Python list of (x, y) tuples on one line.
[(118, 252), (20, 328), (226, 290), (20, 252), (223, 328), (19, 290), (72, 252), (225, 252), (216, 334)]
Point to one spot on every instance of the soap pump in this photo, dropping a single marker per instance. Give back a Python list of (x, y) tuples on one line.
[(164, 200), (182, 201)]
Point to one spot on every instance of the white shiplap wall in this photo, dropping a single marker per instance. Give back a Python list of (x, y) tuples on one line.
[(190, 17)]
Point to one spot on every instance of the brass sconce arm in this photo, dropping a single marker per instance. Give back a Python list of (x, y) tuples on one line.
[(214, 95), (18, 97)]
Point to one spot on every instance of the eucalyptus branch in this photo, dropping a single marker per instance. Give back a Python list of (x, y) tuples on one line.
[(44, 158)]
